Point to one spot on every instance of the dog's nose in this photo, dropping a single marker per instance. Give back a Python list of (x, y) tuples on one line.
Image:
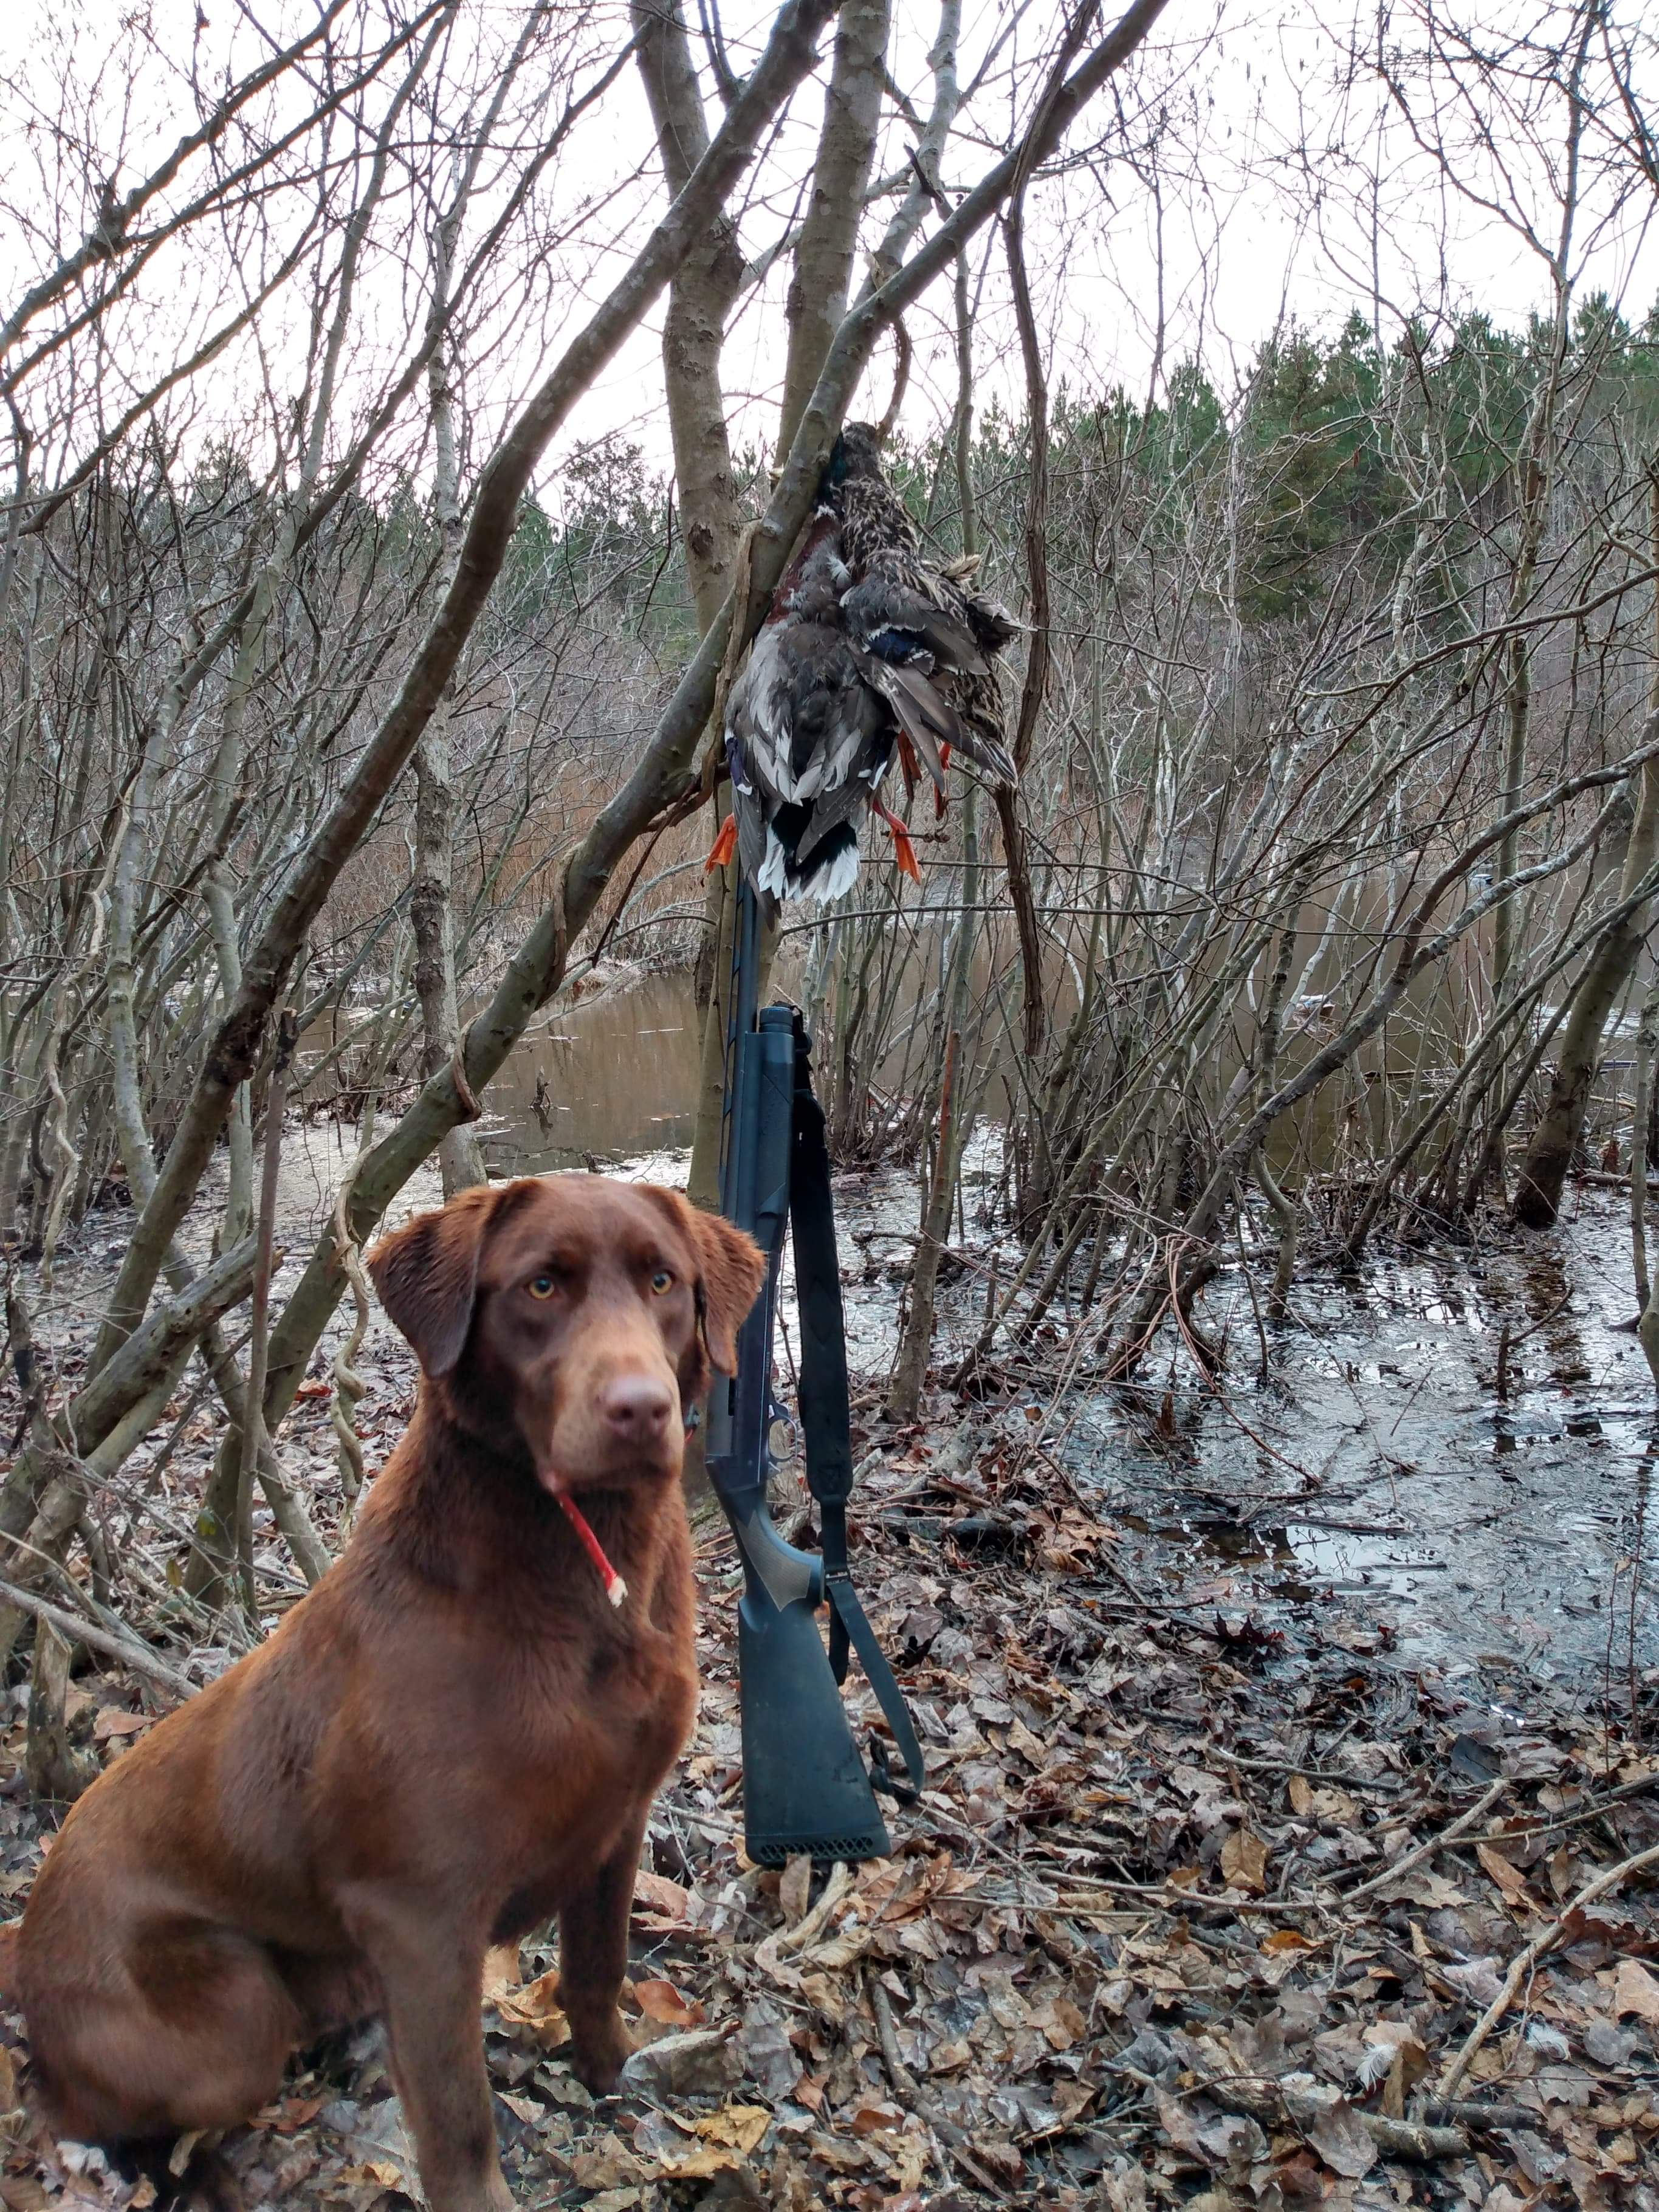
[(636, 1407)]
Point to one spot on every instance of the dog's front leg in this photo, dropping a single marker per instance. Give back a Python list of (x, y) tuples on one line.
[(429, 1981), (593, 1958)]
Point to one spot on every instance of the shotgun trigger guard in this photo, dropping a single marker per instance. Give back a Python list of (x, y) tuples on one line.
[(779, 1418), (788, 1575)]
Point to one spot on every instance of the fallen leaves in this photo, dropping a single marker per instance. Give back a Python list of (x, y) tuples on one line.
[(1084, 1977), (536, 2006), (662, 2002), (1244, 1862), (1635, 1991), (1511, 1881)]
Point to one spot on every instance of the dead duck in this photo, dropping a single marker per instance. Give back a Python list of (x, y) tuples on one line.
[(858, 662), (809, 739)]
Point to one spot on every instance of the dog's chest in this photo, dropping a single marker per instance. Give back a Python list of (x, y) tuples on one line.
[(593, 1738)]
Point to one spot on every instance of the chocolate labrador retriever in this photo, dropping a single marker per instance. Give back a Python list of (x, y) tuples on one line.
[(453, 1737)]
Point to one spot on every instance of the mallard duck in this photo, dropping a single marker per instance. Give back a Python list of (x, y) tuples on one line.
[(853, 666), (807, 741)]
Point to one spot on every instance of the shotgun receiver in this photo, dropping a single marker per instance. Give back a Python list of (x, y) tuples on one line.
[(806, 1787)]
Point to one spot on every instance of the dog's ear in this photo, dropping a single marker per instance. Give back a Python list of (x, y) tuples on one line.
[(427, 1275), (730, 1268), (733, 1268)]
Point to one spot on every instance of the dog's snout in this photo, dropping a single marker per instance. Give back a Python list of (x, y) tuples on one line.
[(636, 1407)]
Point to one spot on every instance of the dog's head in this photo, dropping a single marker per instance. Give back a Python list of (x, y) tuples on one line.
[(584, 1314)]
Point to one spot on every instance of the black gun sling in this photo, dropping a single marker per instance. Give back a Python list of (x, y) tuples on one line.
[(825, 1412)]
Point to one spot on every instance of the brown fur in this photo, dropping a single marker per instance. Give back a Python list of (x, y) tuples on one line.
[(453, 1737)]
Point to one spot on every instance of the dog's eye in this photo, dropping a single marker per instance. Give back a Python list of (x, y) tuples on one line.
[(662, 1281), (541, 1286)]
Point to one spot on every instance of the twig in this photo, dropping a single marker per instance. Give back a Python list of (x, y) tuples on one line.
[(1266, 2100), (1525, 1961), (138, 1656), (1336, 1774), (253, 1437), (1467, 2113), (1574, 1819), (1414, 2138), (1477, 1813), (903, 2081), (348, 1384)]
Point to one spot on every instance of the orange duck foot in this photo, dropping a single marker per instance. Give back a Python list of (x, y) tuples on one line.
[(907, 767), (904, 852), (723, 846)]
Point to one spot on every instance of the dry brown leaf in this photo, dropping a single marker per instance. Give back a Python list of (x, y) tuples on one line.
[(609, 2165), (1286, 1938), (1244, 1862), (379, 2171), (500, 1971), (875, 2116), (112, 1721), (662, 2002), (1003, 2161), (1031, 1748), (1331, 2125), (1061, 2023), (703, 2163), (795, 1886), (537, 2005), (1635, 1990), (1509, 1878), (1300, 1797), (658, 1894), (738, 2126)]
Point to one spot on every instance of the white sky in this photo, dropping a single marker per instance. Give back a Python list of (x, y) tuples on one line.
[(1254, 176)]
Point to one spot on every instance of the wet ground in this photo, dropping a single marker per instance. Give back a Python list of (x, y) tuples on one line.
[(1378, 1457)]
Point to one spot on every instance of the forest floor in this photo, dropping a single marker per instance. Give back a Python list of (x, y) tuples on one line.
[(1234, 1884)]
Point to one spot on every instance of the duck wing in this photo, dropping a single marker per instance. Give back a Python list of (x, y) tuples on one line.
[(913, 616), (981, 721), (924, 714), (834, 717), (757, 726)]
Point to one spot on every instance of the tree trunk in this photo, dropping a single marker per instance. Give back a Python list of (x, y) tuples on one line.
[(700, 301), (841, 175), (1606, 974), (54, 1773)]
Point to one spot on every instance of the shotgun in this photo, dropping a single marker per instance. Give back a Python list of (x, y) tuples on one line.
[(805, 1788)]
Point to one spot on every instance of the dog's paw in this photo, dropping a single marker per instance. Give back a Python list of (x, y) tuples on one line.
[(598, 2053)]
